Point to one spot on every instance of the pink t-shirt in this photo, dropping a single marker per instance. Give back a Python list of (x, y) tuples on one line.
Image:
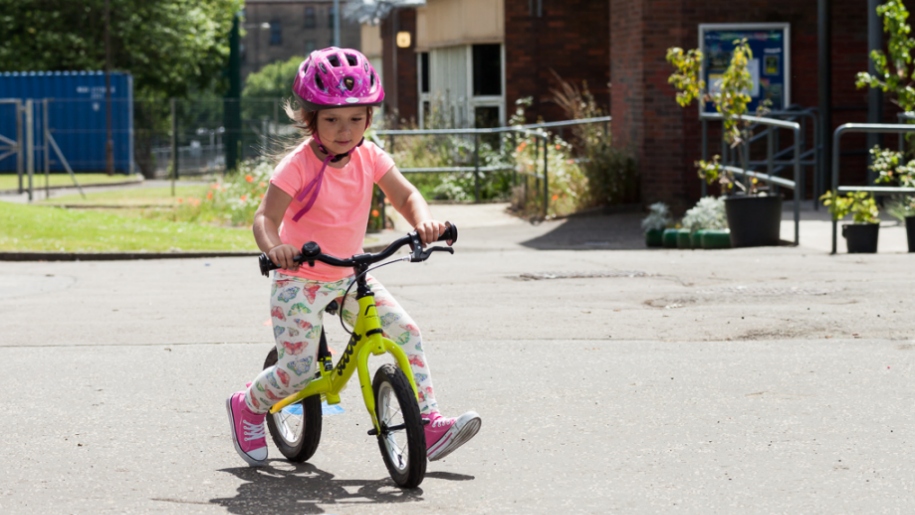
[(339, 216)]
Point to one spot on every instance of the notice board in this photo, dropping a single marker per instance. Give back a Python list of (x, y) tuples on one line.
[(770, 68)]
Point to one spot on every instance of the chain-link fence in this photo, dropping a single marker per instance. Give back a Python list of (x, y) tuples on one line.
[(190, 137)]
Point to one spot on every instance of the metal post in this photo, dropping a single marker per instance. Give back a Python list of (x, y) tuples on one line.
[(174, 144), (770, 150), (231, 101), (798, 187), (546, 180), (20, 158), (476, 167), (30, 143), (109, 143), (337, 23), (46, 147), (704, 183)]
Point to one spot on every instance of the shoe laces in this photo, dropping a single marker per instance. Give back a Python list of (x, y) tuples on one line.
[(442, 422), (253, 431)]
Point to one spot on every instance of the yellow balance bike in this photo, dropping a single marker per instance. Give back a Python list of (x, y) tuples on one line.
[(391, 398)]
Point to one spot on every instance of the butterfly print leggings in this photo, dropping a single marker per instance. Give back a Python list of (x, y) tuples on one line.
[(297, 308)]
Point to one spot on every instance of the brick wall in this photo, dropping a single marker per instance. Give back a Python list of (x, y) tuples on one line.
[(665, 138), (571, 37), (400, 94)]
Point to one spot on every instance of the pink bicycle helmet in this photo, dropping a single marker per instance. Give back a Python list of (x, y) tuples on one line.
[(336, 77)]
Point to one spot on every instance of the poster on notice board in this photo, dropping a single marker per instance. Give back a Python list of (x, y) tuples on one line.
[(770, 68)]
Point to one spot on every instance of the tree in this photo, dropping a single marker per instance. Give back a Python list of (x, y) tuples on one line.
[(894, 72), (270, 85), (170, 47)]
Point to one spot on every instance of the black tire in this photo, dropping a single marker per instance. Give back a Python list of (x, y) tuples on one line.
[(404, 448), (296, 435)]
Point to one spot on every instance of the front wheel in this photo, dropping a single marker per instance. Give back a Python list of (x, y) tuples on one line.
[(296, 429), (402, 440)]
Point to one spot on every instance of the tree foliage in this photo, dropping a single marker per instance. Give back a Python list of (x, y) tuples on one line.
[(893, 69), (270, 85), (170, 47)]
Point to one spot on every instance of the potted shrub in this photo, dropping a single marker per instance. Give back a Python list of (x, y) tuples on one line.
[(654, 224), (893, 76), (754, 216), (891, 169), (861, 235), (903, 209), (707, 224)]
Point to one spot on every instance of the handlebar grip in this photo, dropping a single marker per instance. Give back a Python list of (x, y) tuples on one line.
[(451, 233), (266, 264)]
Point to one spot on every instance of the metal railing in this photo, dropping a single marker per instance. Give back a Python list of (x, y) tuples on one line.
[(871, 128), (536, 130), (770, 176), (775, 161)]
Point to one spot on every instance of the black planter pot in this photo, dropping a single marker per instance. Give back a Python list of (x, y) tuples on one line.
[(910, 232), (861, 238), (754, 221)]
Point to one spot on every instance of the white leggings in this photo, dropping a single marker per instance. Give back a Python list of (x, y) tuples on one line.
[(297, 309)]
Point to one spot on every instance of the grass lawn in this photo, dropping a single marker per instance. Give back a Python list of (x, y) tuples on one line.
[(140, 196), (29, 228), (10, 181)]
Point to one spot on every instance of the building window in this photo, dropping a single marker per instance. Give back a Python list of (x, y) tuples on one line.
[(424, 72), (310, 46), (330, 17), (486, 117), (487, 70), (310, 21), (276, 33)]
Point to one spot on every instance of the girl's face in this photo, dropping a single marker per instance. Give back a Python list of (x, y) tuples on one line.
[(341, 128)]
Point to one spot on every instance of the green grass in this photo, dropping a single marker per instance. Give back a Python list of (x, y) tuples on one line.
[(130, 197), (10, 181), (28, 228)]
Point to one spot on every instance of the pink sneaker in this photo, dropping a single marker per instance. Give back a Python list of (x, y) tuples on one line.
[(248, 433), (444, 435)]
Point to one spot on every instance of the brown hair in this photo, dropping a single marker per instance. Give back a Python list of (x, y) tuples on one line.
[(307, 121)]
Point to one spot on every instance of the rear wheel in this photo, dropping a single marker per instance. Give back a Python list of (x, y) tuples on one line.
[(402, 440), (296, 429)]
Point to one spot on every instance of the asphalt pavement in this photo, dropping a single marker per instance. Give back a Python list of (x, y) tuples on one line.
[(610, 378)]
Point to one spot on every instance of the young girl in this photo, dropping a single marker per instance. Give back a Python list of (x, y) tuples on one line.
[(321, 191)]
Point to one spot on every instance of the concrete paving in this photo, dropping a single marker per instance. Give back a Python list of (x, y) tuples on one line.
[(610, 379)]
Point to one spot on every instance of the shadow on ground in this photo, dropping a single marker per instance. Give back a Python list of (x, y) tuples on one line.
[(303, 488), (618, 231)]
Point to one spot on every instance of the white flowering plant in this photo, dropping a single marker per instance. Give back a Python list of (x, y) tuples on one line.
[(708, 213), (658, 217)]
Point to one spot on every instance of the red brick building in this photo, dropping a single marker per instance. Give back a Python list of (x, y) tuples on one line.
[(624, 42)]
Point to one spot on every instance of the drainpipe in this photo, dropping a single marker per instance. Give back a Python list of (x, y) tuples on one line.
[(824, 65), (874, 95)]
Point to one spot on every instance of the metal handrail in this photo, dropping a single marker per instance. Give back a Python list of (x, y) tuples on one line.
[(774, 164), (797, 184), (879, 128)]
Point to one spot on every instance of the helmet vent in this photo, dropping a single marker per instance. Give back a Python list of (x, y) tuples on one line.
[(319, 83), (349, 83), (351, 59), (323, 68), (334, 61)]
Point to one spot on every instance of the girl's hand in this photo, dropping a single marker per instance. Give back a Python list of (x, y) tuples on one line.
[(430, 230), (282, 255)]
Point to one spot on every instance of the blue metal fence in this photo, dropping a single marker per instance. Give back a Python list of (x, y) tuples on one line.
[(76, 117)]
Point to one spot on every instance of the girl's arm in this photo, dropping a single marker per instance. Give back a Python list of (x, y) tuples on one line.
[(267, 220), (408, 201)]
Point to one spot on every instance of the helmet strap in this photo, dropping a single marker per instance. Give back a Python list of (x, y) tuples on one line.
[(312, 189)]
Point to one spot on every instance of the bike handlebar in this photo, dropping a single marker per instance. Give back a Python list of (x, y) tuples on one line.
[(311, 252)]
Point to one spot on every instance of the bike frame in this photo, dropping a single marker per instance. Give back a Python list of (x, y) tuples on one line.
[(367, 338)]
